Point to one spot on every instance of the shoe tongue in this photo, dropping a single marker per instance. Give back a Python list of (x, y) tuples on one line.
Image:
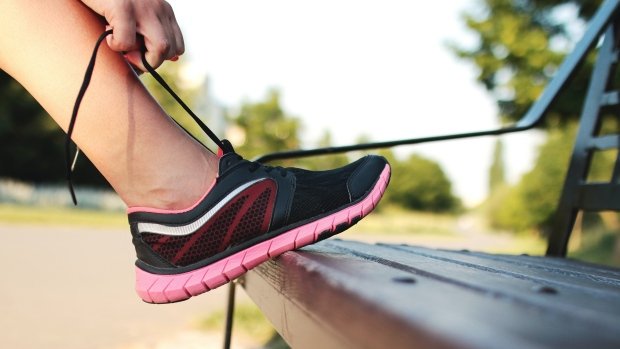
[(228, 157), (228, 161), (225, 149)]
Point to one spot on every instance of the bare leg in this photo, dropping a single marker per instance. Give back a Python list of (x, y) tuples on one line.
[(149, 161)]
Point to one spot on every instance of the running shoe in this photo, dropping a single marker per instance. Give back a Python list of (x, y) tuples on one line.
[(250, 214)]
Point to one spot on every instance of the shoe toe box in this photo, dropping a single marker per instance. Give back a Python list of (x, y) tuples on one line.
[(365, 176)]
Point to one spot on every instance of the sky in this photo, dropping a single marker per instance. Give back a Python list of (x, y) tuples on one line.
[(381, 69)]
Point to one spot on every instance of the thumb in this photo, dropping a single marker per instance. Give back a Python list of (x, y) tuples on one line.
[(135, 59)]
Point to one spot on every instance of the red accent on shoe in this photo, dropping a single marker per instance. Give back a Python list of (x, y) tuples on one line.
[(234, 223), (156, 288)]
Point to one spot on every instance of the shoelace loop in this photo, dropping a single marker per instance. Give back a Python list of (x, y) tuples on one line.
[(70, 164)]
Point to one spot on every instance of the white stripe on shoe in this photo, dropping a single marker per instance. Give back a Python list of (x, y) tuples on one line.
[(182, 230)]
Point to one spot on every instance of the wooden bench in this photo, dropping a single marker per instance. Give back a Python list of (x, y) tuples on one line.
[(344, 294)]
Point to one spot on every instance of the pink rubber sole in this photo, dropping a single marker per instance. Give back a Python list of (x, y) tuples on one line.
[(155, 288)]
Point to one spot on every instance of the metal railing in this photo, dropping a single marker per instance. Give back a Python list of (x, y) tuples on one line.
[(532, 118)]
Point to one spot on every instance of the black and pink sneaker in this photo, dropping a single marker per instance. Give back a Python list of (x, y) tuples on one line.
[(251, 213)]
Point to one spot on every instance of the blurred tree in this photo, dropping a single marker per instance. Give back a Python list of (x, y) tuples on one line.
[(31, 144), (498, 188), (416, 183), (520, 45), (264, 127), (497, 172), (531, 203), (420, 184)]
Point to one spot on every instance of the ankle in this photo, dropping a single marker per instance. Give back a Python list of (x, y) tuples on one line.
[(174, 199), (176, 190)]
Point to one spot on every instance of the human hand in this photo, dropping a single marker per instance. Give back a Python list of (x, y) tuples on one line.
[(132, 20)]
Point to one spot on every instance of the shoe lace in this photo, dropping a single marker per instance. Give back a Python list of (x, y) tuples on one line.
[(70, 164)]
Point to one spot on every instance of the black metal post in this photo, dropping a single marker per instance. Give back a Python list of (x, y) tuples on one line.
[(589, 124), (230, 314)]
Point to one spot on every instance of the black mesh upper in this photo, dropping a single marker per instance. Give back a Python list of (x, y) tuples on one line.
[(319, 192), (251, 212)]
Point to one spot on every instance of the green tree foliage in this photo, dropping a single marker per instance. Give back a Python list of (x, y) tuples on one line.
[(420, 184), (265, 127), (497, 172), (531, 203), (31, 144), (417, 183), (521, 45)]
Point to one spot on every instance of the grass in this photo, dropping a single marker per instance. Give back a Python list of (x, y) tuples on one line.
[(521, 244), (249, 323), (597, 247), (449, 231), (390, 224), (60, 216), (395, 221), (386, 222)]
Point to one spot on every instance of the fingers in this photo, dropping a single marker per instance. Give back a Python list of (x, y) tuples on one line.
[(162, 37), (154, 20), (178, 36), (122, 21)]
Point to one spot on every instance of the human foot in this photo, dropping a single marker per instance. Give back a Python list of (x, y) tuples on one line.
[(251, 214)]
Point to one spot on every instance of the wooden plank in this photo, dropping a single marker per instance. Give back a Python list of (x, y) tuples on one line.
[(539, 271), (567, 295), (305, 298), (339, 294), (565, 264)]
